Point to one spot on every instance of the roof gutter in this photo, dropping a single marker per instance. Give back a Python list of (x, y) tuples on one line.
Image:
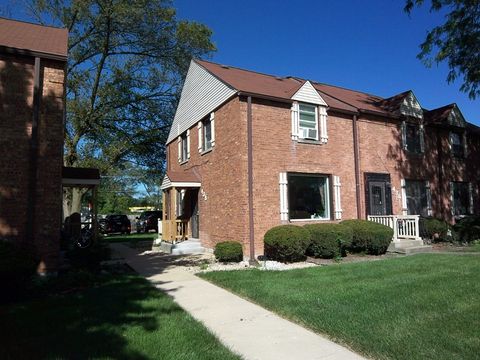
[(250, 179), (265, 97), (25, 52), (32, 178)]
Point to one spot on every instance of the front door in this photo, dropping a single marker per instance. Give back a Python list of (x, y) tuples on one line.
[(378, 194), (194, 220)]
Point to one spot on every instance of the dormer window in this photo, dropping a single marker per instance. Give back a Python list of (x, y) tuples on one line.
[(457, 144), (413, 138), (308, 122)]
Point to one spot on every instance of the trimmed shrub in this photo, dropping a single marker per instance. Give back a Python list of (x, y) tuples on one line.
[(468, 229), (228, 251), (329, 240), (89, 258), (286, 243), (368, 236), (17, 267), (434, 229)]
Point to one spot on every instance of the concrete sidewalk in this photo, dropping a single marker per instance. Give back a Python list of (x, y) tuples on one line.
[(245, 328)]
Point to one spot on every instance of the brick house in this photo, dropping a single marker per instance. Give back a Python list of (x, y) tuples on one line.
[(32, 103), (248, 151)]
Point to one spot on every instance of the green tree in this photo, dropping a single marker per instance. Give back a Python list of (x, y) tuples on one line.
[(127, 61), (456, 41)]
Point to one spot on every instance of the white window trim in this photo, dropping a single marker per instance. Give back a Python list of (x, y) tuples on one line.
[(321, 117), (200, 137), (317, 128), (188, 144), (429, 198), (212, 127), (283, 196), (337, 196), (470, 198), (404, 197)]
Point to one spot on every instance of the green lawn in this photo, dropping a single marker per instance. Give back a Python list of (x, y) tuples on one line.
[(416, 307), (123, 317), (132, 238)]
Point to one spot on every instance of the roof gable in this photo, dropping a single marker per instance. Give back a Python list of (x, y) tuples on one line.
[(456, 118), (308, 94), (410, 106), (201, 94)]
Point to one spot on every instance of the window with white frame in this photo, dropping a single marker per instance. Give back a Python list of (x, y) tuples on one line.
[(308, 121), (308, 196), (462, 202), (206, 133), (184, 147)]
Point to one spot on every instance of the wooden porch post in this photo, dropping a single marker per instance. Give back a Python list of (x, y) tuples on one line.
[(173, 212), (164, 214), (95, 212)]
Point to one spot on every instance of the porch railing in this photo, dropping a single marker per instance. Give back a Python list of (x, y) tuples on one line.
[(405, 227), (174, 230)]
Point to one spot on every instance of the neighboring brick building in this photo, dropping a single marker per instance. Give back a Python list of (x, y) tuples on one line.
[(32, 101), (249, 151)]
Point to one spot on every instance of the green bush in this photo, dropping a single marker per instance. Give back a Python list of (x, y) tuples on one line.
[(368, 236), (286, 243), (17, 267), (468, 229), (228, 251), (329, 240), (434, 229)]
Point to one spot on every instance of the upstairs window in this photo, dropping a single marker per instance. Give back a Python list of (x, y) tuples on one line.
[(207, 134), (308, 122), (184, 147), (413, 138), (457, 144)]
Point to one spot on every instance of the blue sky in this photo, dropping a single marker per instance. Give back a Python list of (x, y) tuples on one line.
[(369, 46)]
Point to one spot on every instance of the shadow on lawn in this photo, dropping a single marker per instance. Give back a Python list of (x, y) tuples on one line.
[(97, 322)]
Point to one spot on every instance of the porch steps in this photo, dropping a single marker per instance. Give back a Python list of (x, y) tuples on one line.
[(409, 247), (191, 246)]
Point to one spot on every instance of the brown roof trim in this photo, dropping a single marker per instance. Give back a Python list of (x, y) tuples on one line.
[(265, 97), (378, 113), (24, 52)]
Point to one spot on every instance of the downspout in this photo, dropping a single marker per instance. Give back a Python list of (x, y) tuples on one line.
[(32, 176), (250, 178), (356, 160)]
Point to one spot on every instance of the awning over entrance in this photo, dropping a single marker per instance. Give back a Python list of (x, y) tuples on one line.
[(180, 179)]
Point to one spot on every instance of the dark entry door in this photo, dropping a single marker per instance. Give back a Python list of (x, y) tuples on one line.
[(194, 220), (378, 194)]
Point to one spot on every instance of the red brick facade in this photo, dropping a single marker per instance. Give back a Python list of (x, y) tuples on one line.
[(16, 114)]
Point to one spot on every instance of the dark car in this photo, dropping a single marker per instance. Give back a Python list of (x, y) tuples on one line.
[(115, 224), (148, 220)]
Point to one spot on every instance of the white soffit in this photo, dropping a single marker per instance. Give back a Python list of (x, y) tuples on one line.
[(308, 94), (201, 94), (411, 107)]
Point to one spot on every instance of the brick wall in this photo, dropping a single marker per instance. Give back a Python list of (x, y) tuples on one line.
[(224, 216), (16, 101), (223, 171)]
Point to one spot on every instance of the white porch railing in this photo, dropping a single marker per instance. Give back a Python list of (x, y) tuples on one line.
[(405, 227)]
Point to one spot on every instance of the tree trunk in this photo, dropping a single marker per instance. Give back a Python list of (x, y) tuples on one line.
[(72, 200)]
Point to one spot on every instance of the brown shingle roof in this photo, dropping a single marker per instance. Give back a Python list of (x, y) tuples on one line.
[(335, 97), (182, 176), (32, 37)]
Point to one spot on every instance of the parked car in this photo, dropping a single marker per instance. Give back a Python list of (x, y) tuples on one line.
[(147, 221), (115, 224)]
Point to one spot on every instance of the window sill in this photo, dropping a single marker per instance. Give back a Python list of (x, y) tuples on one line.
[(184, 162), (303, 220), (414, 154), (310, 142), (206, 151)]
